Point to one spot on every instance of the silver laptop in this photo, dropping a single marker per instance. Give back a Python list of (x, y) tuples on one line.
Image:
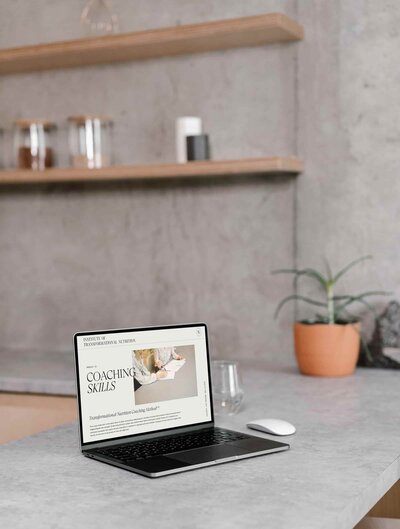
[(145, 402)]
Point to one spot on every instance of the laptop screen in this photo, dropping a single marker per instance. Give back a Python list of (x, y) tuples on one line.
[(138, 381)]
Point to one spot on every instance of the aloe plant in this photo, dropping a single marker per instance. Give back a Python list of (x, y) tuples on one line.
[(336, 308)]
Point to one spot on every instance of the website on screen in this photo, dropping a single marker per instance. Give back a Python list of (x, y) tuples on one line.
[(135, 382)]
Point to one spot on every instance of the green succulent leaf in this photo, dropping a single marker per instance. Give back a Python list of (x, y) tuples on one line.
[(334, 305), (341, 298), (368, 306), (359, 298), (300, 298), (321, 318), (349, 266), (308, 272)]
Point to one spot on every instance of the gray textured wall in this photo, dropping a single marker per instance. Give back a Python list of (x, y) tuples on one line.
[(82, 257), (347, 201)]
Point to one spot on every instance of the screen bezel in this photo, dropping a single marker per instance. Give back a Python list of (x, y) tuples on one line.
[(165, 431)]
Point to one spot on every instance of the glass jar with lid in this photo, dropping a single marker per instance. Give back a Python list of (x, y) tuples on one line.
[(33, 140), (90, 141)]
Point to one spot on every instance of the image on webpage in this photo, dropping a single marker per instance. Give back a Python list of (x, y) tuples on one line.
[(175, 367), (134, 382)]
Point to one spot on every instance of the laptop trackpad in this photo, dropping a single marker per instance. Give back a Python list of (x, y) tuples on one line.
[(208, 453)]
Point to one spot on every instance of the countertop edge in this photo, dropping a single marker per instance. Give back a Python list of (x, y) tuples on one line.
[(371, 494)]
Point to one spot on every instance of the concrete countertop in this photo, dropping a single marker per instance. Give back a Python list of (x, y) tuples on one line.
[(47, 372), (343, 458)]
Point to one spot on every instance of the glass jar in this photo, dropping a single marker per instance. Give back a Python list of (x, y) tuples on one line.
[(98, 18), (33, 144), (90, 141)]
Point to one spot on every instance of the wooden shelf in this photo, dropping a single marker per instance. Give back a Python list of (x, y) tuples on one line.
[(195, 38), (251, 166)]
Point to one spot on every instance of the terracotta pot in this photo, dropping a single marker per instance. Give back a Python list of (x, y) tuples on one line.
[(327, 350)]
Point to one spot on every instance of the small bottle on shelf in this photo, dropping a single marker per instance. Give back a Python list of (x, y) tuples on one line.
[(33, 144)]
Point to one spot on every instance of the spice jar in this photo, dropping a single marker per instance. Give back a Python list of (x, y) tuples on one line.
[(33, 142), (90, 141)]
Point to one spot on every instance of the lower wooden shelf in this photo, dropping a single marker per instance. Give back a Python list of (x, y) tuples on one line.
[(203, 169)]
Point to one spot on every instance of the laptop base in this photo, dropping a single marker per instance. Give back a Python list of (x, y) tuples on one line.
[(173, 463)]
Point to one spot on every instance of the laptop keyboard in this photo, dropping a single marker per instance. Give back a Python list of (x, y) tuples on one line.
[(167, 445)]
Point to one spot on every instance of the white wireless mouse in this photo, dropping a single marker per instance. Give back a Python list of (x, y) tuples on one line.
[(272, 426)]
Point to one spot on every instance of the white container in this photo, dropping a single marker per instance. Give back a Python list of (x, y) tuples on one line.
[(185, 126)]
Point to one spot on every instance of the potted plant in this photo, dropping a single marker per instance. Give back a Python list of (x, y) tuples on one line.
[(328, 344)]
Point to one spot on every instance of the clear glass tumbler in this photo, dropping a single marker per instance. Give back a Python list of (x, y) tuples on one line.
[(228, 394)]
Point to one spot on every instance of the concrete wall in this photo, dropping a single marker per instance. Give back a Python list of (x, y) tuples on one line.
[(349, 136), (97, 256)]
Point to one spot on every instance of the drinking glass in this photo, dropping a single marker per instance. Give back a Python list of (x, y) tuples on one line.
[(228, 394)]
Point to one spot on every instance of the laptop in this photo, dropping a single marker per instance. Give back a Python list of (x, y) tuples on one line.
[(145, 402)]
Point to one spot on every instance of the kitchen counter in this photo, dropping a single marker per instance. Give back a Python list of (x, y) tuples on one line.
[(343, 458), (37, 372)]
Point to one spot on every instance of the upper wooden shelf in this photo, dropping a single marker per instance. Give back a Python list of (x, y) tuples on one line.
[(251, 166), (179, 40)]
